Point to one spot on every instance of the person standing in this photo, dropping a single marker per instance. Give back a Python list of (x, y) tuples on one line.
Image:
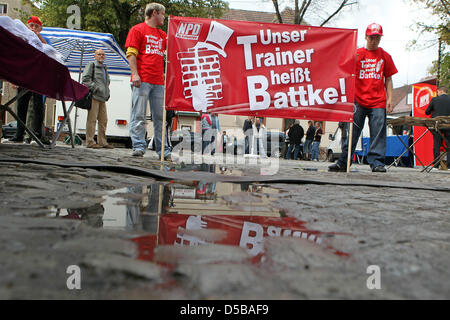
[(248, 132), (375, 69), (296, 134), (224, 142), (35, 25), (96, 78), (308, 141), (207, 127), (344, 132), (440, 106), (315, 151), (259, 136), (216, 129), (145, 46)]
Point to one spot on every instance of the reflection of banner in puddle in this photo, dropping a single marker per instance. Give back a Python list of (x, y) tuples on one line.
[(244, 231)]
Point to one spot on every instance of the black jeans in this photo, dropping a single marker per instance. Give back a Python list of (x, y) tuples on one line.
[(22, 110), (438, 141)]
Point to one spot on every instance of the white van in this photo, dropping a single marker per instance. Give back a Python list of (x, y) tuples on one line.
[(334, 149), (118, 109)]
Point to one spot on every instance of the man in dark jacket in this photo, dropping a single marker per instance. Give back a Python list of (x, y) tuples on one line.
[(440, 106), (296, 134), (248, 131), (308, 140)]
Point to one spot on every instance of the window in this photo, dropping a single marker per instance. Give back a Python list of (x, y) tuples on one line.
[(3, 8)]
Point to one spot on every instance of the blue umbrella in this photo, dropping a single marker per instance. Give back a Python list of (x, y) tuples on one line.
[(78, 47)]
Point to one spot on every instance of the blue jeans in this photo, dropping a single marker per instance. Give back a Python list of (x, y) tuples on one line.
[(296, 148), (155, 94), (307, 147), (377, 128), (315, 150)]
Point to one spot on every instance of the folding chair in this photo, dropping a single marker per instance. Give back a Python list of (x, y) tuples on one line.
[(29, 68)]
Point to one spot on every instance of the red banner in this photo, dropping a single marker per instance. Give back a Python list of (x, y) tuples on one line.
[(260, 69), (422, 95)]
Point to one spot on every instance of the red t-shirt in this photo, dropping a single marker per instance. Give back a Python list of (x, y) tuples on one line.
[(372, 68), (151, 44)]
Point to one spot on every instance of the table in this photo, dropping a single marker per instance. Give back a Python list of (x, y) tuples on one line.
[(437, 123)]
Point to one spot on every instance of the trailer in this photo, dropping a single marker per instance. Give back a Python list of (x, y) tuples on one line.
[(118, 110)]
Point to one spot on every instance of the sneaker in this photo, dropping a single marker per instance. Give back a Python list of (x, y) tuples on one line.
[(27, 140), (108, 146), (34, 143), (379, 169), (137, 153), (336, 167), (94, 146), (168, 157)]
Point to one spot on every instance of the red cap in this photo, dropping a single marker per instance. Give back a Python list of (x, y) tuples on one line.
[(35, 19), (374, 29)]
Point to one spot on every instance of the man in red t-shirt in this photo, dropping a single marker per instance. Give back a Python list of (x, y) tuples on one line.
[(145, 46), (375, 69)]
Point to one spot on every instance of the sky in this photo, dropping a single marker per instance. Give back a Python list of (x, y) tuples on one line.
[(396, 18)]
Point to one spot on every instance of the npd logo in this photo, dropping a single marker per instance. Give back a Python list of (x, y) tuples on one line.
[(189, 31)]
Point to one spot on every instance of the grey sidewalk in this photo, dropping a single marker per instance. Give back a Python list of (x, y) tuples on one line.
[(404, 231)]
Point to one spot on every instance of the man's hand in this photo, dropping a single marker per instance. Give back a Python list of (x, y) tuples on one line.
[(389, 90), (136, 80), (389, 107)]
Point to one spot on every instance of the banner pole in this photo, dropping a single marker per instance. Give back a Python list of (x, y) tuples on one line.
[(349, 154), (163, 135), (160, 200)]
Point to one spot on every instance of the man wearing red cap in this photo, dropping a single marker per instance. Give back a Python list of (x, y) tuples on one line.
[(35, 25), (375, 69)]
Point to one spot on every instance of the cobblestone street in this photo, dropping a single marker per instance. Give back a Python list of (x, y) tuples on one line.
[(76, 207)]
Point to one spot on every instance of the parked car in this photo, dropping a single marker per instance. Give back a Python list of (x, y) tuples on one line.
[(177, 137), (238, 146), (9, 130)]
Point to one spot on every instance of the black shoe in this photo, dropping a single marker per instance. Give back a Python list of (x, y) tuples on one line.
[(337, 168), (379, 169), (27, 140), (16, 140)]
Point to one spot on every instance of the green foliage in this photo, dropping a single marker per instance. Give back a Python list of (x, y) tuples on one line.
[(441, 19), (445, 70), (440, 26), (118, 16)]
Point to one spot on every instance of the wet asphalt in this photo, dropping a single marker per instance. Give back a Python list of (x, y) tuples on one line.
[(217, 228)]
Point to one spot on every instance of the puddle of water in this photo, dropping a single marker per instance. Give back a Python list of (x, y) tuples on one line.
[(205, 167), (196, 214)]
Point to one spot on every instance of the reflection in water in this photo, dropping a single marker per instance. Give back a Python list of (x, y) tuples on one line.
[(197, 214)]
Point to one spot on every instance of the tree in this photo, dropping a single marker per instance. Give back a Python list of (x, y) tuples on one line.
[(444, 77), (118, 16), (439, 25), (321, 10)]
